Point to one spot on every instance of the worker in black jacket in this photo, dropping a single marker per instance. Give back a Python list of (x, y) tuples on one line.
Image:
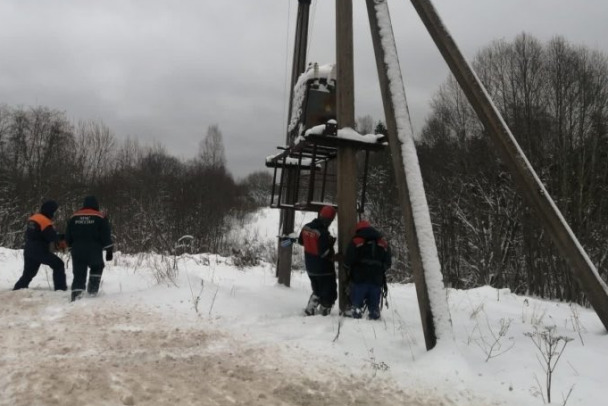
[(368, 257), (88, 234), (40, 236)]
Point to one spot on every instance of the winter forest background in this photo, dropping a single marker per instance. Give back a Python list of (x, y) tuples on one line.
[(553, 96)]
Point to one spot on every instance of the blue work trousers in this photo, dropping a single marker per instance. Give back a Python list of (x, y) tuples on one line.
[(369, 294)]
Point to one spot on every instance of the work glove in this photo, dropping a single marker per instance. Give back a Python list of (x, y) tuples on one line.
[(287, 241), (109, 254), (61, 246)]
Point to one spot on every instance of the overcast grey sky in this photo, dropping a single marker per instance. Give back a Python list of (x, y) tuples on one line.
[(163, 71)]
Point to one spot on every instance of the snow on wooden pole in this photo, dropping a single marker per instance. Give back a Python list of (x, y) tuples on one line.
[(525, 177), (422, 249)]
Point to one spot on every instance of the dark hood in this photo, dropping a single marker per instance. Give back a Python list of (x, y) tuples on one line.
[(90, 202), (49, 208), (320, 222), (369, 233)]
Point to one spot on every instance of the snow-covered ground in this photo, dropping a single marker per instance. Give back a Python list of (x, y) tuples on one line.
[(226, 336)]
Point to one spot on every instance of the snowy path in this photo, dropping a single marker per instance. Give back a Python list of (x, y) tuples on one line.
[(96, 353)]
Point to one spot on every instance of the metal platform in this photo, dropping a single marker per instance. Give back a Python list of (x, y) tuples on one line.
[(305, 176)]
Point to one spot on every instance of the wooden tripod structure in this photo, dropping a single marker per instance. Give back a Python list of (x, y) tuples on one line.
[(524, 175)]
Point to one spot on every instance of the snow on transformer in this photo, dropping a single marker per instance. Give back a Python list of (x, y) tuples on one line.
[(314, 101)]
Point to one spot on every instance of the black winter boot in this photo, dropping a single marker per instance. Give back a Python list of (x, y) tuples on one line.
[(76, 295), (94, 281), (311, 307), (324, 310)]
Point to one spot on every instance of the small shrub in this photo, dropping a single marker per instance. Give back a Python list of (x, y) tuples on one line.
[(551, 348)]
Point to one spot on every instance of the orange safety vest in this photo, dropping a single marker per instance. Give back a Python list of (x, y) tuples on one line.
[(42, 220)]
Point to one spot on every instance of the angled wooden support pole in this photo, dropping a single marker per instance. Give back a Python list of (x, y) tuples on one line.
[(413, 242), (525, 177)]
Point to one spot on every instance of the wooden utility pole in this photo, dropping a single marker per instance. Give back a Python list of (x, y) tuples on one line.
[(525, 177), (288, 215), (411, 235), (345, 111)]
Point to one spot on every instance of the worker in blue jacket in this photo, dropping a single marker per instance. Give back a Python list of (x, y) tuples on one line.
[(319, 260)]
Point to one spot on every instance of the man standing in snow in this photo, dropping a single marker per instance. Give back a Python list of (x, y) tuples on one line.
[(319, 260), (368, 257), (88, 234), (40, 235)]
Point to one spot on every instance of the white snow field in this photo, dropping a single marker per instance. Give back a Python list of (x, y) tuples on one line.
[(219, 335)]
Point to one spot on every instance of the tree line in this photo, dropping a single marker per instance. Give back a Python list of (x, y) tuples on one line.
[(152, 198), (554, 98)]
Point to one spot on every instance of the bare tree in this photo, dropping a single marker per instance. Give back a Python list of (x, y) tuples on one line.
[(365, 125), (554, 97), (211, 149), (95, 145), (258, 187)]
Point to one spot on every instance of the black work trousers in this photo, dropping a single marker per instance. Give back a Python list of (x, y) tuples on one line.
[(325, 287), (32, 259), (80, 267)]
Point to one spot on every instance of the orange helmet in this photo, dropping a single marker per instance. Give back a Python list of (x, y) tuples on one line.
[(327, 212), (362, 224)]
